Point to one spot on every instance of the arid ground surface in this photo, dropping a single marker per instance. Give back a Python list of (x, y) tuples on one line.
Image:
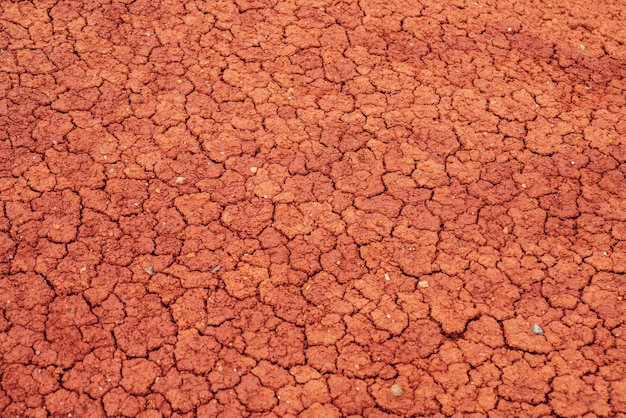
[(312, 208)]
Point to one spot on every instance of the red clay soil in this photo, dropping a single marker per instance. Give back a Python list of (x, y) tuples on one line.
[(312, 208)]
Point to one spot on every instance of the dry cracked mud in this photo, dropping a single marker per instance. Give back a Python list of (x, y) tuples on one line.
[(312, 208)]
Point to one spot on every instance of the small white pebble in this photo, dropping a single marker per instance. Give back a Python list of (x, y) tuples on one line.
[(423, 284), (180, 180), (537, 329), (396, 390), (387, 278), (253, 169)]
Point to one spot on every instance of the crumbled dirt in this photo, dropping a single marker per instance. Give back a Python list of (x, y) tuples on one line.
[(280, 208)]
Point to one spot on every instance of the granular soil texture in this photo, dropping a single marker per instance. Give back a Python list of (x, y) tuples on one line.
[(312, 208)]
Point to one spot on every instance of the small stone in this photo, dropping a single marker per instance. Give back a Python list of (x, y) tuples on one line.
[(149, 270), (253, 169), (423, 284), (191, 255), (37, 352), (180, 180), (216, 269), (537, 329), (387, 278), (505, 231), (396, 390)]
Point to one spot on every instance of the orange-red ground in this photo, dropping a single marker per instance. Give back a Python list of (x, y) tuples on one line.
[(312, 208)]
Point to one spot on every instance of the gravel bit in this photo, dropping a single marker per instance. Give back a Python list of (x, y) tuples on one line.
[(537, 329), (396, 390)]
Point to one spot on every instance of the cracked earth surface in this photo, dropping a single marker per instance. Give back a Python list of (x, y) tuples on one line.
[(312, 208)]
